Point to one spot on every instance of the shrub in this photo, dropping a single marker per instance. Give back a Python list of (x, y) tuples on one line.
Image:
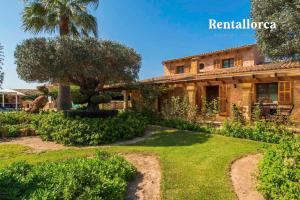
[(279, 171), (13, 122), (260, 131), (87, 131), (238, 114), (179, 108), (97, 114), (104, 177)]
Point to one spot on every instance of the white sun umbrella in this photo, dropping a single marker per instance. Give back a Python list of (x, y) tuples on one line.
[(10, 92)]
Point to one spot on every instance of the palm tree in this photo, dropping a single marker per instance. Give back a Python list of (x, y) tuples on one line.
[(69, 18), (1, 63)]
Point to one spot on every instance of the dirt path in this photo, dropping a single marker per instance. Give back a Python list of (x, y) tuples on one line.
[(35, 143), (243, 177), (147, 184)]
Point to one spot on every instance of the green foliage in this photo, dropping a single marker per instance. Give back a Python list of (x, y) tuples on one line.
[(88, 63), (12, 122), (279, 171), (238, 114), (283, 42), (104, 177), (256, 113), (148, 97), (260, 131), (43, 89), (75, 130), (179, 108), (90, 131), (48, 16), (210, 108), (281, 119)]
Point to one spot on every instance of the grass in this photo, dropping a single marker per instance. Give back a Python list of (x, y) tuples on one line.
[(195, 165)]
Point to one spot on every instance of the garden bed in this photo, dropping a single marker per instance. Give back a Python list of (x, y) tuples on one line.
[(103, 177)]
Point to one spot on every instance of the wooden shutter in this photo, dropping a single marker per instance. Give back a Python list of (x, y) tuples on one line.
[(223, 92), (217, 64), (238, 61), (285, 92)]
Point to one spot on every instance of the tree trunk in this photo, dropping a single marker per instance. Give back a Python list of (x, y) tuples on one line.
[(64, 92), (64, 97), (91, 107)]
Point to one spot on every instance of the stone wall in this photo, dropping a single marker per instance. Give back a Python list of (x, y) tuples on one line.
[(250, 57), (296, 100)]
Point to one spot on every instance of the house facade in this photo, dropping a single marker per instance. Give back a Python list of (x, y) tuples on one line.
[(234, 76)]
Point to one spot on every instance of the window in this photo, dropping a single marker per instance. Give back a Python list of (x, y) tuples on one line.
[(180, 70), (267, 92), (201, 66), (227, 63)]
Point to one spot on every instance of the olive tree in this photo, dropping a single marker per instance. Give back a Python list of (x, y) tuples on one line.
[(69, 18), (282, 43), (88, 63)]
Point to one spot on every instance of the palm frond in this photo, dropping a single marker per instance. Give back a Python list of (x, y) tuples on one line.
[(46, 15), (94, 3)]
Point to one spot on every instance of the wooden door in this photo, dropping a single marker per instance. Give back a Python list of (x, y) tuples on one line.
[(223, 94)]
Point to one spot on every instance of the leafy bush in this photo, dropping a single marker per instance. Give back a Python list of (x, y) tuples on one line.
[(179, 108), (279, 171), (86, 131), (260, 131), (238, 114), (13, 122), (104, 177), (97, 114)]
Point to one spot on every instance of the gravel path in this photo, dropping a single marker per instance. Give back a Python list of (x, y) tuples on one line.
[(243, 177)]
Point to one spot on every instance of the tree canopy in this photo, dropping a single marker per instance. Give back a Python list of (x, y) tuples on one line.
[(88, 63), (282, 43), (69, 17)]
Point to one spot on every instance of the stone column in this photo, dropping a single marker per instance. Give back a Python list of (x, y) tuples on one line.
[(246, 99), (191, 92), (125, 95)]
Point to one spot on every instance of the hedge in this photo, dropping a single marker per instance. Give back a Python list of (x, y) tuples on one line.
[(54, 126)]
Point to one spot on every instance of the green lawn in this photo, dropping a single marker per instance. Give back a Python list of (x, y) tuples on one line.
[(195, 166)]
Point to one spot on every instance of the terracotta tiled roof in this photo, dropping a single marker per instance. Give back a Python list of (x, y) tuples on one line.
[(271, 67), (211, 53)]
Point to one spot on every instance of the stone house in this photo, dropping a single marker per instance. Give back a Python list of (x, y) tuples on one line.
[(238, 76)]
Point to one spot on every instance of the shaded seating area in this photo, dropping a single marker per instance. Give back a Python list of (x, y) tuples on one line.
[(270, 109), (14, 99)]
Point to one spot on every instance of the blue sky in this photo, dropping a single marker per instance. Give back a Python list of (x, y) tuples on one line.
[(157, 29)]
